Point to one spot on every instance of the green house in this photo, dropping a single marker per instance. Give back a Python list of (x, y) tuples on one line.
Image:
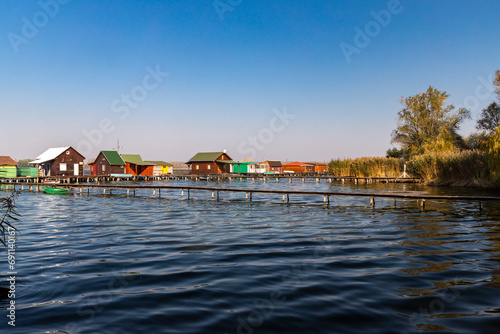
[(242, 167), (27, 172), (8, 167)]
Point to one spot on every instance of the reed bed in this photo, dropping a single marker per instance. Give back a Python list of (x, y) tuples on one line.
[(367, 167), (461, 168)]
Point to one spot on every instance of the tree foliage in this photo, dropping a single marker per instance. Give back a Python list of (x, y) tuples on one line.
[(494, 154), (394, 153), (24, 163), (496, 82), (427, 124), (490, 118)]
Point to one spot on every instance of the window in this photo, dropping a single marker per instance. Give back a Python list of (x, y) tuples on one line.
[(67, 152), (197, 167), (62, 167), (208, 166), (103, 168)]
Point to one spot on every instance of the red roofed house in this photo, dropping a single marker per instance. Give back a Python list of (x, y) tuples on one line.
[(298, 167), (8, 167)]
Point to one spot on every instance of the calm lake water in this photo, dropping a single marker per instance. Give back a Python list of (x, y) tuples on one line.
[(118, 264)]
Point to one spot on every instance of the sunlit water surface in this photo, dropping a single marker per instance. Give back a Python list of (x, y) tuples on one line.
[(143, 264)]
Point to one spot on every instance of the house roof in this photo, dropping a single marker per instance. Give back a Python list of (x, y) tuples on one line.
[(274, 163), (160, 163), (50, 154), (317, 163), (228, 162), (113, 157), (7, 161), (297, 163), (206, 157), (135, 159)]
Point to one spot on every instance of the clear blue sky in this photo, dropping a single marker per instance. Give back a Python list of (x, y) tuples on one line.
[(226, 68)]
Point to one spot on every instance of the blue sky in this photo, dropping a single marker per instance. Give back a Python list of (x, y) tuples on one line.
[(262, 79)]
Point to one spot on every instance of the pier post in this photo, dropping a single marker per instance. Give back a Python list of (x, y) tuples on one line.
[(288, 198), (159, 192), (317, 180), (182, 193), (212, 195), (217, 196), (189, 194), (128, 192), (480, 207), (250, 197), (246, 196), (422, 204), (154, 192), (290, 179), (283, 198), (104, 191), (277, 180), (372, 202)]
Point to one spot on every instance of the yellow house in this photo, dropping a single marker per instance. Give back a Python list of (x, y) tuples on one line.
[(8, 167), (161, 168)]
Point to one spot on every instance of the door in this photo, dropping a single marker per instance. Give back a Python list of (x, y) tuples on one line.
[(76, 169)]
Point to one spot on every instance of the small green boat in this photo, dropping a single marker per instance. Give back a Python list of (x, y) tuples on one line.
[(54, 190)]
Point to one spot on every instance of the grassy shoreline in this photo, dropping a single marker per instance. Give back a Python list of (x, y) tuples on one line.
[(474, 168)]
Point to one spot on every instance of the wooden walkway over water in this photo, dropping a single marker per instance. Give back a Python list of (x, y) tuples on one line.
[(216, 177), (215, 191)]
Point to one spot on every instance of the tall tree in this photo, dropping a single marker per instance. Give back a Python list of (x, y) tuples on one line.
[(496, 82), (490, 118), (427, 124)]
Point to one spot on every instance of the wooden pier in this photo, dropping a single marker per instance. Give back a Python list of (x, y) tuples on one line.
[(216, 177), (215, 191)]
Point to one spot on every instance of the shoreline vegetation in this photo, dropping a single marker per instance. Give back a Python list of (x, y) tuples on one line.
[(432, 149)]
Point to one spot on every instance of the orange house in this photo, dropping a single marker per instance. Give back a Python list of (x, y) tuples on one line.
[(136, 166), (319, 167), (298, 167)]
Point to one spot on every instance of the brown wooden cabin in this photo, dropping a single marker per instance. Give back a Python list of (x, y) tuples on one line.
[(210, 163), (298, 167), (107, 163), (136, 166), (273, 166), (319, 167), (59, 161)]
